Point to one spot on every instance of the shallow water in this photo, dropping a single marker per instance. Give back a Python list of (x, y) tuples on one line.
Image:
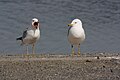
[(100, 18)]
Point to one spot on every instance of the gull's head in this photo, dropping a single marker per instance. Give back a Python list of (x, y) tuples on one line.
[(75, 22), (35, 23)]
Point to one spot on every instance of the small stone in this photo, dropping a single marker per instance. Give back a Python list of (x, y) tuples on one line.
[(103, 66), (88, 61), (111, 70), (11, 75), (98, 57)]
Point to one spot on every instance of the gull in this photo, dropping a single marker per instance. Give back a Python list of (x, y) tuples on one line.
[(76, 34), (30, 35)]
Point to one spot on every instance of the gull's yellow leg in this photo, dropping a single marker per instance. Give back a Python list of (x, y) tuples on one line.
[(73, 52), (27, 50), (33, 50), (27, 54), (79, 49)]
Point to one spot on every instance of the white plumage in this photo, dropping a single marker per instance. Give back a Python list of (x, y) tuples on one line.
[(76, 34), (31, 35)]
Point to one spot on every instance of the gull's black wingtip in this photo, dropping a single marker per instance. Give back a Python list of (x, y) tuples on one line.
[(20, 38)]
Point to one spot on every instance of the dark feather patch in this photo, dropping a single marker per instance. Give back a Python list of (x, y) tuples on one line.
[(69, 30), (20, 38), (24, 34)]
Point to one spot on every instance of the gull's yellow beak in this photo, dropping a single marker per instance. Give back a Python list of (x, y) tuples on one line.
[(70, 24)]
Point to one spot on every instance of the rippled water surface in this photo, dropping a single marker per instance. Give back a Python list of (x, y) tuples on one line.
[(100, 18)]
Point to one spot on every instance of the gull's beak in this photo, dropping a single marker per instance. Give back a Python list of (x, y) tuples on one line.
[(70, 25), (35, 25)]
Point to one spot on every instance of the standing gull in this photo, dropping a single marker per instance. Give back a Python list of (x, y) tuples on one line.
[(76, 34), (31, 35)]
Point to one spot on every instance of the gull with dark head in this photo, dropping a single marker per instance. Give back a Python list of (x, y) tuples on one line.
[(31, 35), (76, 34)]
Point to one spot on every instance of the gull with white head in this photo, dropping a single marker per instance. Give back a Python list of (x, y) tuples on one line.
[(31, 35), (76, 34)]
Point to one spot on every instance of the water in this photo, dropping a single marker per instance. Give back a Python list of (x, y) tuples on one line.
[(101, 21)]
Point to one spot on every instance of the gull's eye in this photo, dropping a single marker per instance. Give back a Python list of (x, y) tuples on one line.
[(32, 20), (75, 22)]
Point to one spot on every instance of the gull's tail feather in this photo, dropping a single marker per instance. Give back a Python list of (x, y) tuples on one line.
[(20, 38)]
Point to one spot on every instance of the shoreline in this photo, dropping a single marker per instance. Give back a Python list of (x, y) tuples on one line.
[(101, 56), (59, 57)]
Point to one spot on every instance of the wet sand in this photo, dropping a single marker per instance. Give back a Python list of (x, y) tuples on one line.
[(60, 67)]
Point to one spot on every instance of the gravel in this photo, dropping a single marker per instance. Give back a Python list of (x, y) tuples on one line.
[(59, 68)]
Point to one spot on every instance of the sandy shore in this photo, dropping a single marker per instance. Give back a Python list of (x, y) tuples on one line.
[(60, 67)]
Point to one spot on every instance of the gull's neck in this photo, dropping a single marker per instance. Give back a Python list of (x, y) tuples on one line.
[(78, 25), (36, 32)]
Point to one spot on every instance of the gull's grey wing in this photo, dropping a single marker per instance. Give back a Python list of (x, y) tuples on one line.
[(24, 34), (68, 31)]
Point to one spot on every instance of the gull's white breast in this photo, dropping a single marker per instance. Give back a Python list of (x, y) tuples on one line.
[(32, 36), (76, 35)]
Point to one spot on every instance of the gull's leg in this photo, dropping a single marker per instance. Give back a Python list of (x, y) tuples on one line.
[(73, 52), (79, 49), (27, 52), (33, 50)]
